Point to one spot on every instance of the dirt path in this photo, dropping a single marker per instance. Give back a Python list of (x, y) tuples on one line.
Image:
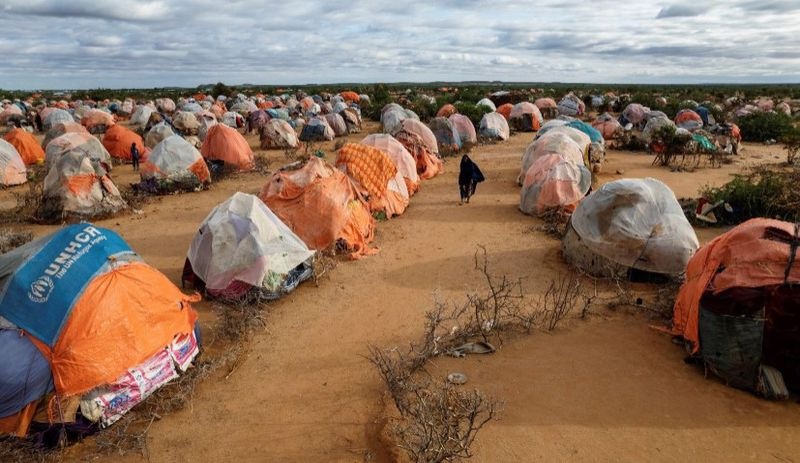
[(600, 390)]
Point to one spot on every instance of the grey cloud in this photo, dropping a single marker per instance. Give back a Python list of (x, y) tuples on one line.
[(103, 9), (683, 10)]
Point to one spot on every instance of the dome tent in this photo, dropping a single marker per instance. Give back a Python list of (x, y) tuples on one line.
[(375, 176), (77, 186), (60, 129), (175, 164), (242, 250), (608, 126), (448, 139), (56, 116), (317, 129), (118, 141), (101, 323), (630, 225), (12, 168), (547, 106), (318, 202), (226, 144), (26, 145), (403, 160), (488, 103), (97, 121), (571, 105), (278, 134), (429, 165), (82, 142), (336, 122), (352, 118), (551, 143), (525, 117), (425, 133), (738, 309), (494, 126), (553, 182), (465, 129), (157, 134)]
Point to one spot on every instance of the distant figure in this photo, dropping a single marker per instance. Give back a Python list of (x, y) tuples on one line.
[(469, 175), (135, 157)]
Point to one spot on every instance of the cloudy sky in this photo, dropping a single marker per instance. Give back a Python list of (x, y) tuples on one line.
[(119, 43)]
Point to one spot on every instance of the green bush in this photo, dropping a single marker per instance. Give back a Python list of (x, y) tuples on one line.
[(759, 193), (474, 113), (765, 126)]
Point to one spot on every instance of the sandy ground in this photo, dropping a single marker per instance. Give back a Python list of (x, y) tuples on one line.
[(606, 389)]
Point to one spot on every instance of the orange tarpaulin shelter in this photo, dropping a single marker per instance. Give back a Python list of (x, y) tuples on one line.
[(321, 206), (227, 144), (26, 145), (374, 172), (118, 141), (505, 110), (446, 111), (350, 96)]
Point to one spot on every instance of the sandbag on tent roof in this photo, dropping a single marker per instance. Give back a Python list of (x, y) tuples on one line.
[(74, 141), (277, 134), (630, 224), (494, 126), (403, 160), (60, 129), (608, 126), (26, 145), (78, 186), (738, 308), (12, 168), (317, 129), (228, 145), (375, 175), (97, 121), (56, 116), (465, 129), (337, 124), (525, 117), (103, 322), (488, 103), (352, 120), (319, 203), (175, 162), (553, 183), (242, 250), (429, 165), (571, 105), (551, 143), (446, 111), (447, 138), (157, 134), (688, 119), (118, 141)]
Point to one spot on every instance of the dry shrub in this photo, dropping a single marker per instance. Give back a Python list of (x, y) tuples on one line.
[(26, 207), (12, 239)]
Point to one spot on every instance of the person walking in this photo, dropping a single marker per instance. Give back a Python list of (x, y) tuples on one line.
[(469, 175), (135, 157)]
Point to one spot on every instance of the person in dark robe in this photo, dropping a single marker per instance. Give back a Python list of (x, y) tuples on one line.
[(469, 175), (135, 156)]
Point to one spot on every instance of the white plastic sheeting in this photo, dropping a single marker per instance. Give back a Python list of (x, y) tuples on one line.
[(551, 143), (636, 223), (553, 182), (494, 125), (12, 168), (173, 157), (157, 134), (243, 240), (487, 102)]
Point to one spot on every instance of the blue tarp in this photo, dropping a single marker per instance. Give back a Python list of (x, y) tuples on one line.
[(24, 373), (594, 135), (39, 296)]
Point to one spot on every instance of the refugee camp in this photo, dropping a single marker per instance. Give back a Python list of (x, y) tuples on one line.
[(428, 232)]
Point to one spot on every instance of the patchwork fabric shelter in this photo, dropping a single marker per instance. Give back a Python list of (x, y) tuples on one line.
[(547, 106), (140, 116), (739, 308), (448, 139), (317, 129), (78, 186), (488, 103), (525, 117), (465, 129), (571, 105), (97, 121), (403, 160), (630, 224), (79, 142), (689, 120), (118, 141), (175, 160), (278, 134), (243, 249), (110, 328), (423, 131), (608, 126), (446, 111), (429, 165), (551, 143), (226, 144), (352, 120), (56, 116), (319, 203), (375, 176), (494, 126), (337, 124), (505, 110), (26, 145), (12, 168), (186, 122), (60, 129), (553, 183), (159, 132), (635, 114)]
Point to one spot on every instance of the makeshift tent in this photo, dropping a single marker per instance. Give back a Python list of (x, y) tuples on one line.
[(320, 205), (653, 125), (12, 168), (157, 134), (242, 250), (186, 122), (175, 162), (429, 165), (571, 105), (97, 121), (447, 138), (392, 119), (232, 119), (118, 141), (630, 224), (525, 117), (688, 119), (74, 141), (416, 127), (708, 118), (317, 129), (446, 111), (738, 309), (547, 106), (635, 114), (257, 120), (375, 176), (494, 126), (608, 126), (140, 116), (553, 183), (226, 144), (56, 116), (505, 110), (403, 160), (78, 186), (350, 97), (488, 103), (9, 112), (60, 129), (167, 105), (352, 119), (111, 329), (465, 129), (594, 135), (26, 145), (551, 143), (278, 134), (336, 122)]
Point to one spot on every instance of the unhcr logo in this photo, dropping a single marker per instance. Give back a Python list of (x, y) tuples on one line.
[(41, 289)]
